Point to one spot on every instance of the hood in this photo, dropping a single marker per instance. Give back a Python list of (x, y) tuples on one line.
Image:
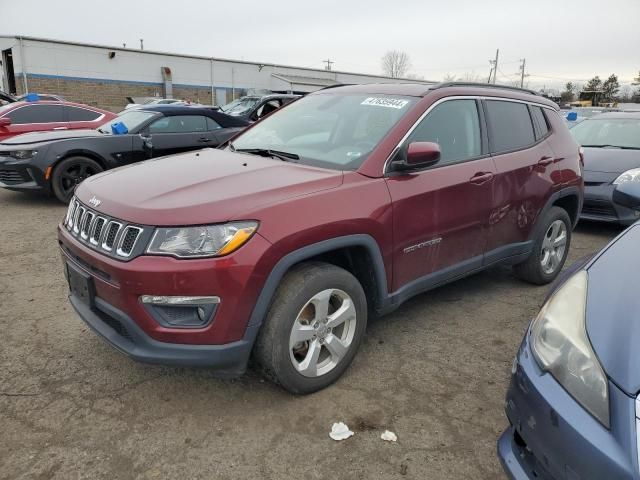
[(613, 310), (610, 160), (209, 186), (41, 137)]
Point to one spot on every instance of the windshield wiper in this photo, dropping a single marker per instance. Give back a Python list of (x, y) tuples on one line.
[(266, 152)]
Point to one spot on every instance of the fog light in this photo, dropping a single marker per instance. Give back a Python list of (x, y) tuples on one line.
[(181, 311)]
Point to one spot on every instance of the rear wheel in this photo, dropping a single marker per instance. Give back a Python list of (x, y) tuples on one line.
[(550, 249), (69, 173), (313, 329)]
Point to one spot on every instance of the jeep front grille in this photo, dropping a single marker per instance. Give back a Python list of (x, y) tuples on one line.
[(110, 236)]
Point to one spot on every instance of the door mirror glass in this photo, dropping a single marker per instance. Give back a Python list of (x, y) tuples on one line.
[(627, 194), (5, 122)]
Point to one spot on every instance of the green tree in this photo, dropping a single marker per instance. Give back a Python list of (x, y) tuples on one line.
[(636, 82), (569, 93), (610, 87), (593, 85)]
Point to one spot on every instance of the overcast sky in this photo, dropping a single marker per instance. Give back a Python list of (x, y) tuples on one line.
[(560, 39)]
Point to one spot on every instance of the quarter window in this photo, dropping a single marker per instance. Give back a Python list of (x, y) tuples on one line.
[(455, 126), (539, 122), (212, 124), (36, 114), (179, 124), (510, 124)]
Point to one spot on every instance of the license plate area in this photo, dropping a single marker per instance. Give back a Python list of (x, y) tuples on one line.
[(80, 284)]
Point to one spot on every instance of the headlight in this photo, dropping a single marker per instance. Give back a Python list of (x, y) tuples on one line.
[(632, 175), (202, 241), (23, 154), (560, 345)]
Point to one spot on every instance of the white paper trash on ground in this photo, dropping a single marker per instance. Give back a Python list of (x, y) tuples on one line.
[(388, 436), (339, 431)]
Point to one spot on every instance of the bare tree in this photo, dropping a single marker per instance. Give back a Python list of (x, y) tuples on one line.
[(395, 63), (449, 78), (471, 77)]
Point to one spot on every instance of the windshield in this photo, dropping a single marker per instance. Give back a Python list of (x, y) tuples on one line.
[(132, 119), (240, 106), (614, 132), (328, 130)]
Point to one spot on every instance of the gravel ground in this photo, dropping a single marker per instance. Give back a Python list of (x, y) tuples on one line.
[(434, 372)]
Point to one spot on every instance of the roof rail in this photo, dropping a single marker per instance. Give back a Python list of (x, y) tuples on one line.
[(483, 85)]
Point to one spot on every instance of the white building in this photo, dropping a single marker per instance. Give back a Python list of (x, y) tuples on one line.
[(105, 76)]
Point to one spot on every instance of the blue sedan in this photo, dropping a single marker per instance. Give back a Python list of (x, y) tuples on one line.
[(573, 400)]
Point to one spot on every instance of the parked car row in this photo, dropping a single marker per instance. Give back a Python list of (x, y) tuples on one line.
[(282, 243), (57, 161)]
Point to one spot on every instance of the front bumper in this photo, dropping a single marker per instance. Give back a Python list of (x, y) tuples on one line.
[(20, 175), (118, 316), (122, 333), (598, 205), (552, 437)]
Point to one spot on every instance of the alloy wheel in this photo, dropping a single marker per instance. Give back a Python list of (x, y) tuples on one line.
[(553, 247), (322, 333)]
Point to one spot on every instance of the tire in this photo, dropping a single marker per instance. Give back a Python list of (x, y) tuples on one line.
[(547, 258), (282, 359), (69, 173)]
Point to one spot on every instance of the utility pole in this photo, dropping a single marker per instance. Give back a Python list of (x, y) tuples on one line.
[(142, 44), (494, 68), (522, 74), (329, 63), (495, 65)]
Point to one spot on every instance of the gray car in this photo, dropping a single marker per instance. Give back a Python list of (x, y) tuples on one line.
[(611, 143)]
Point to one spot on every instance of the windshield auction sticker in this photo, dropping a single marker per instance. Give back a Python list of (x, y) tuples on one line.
[(385, 102)]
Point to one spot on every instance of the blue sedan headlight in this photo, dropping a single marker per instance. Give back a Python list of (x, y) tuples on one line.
[(560, 345)]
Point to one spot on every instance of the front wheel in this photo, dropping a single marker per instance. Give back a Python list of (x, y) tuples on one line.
[(69, 173), (313, 329), (550, 249)]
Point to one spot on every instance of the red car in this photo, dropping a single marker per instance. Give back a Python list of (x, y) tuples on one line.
[(24, 117), (339, 206)]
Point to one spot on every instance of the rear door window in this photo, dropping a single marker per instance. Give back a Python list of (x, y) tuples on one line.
[(76, 114), (510, 125), (37, 114), (179, 124), (539, 122)]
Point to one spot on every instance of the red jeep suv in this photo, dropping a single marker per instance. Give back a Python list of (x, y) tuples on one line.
[(339, 206)]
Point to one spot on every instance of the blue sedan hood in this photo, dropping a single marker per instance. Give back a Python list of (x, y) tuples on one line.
[(613, 310), (610, 160)]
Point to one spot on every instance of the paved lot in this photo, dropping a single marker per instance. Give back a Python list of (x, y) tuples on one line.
[(434, 372)]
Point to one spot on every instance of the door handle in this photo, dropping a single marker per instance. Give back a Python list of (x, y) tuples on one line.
[(546, 160), (204, 139), (481, 177)]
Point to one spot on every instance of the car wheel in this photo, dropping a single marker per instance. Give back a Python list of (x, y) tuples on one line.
[(313, 329), (550, 249), (69, 173)]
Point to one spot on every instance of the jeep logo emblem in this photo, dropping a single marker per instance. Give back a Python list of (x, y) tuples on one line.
[(94, 201)]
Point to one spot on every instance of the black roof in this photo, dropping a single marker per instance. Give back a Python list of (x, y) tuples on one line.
[(223, 119)]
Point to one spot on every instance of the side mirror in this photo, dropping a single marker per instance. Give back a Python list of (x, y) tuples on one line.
[(5, 122), (627, 194), (419, 155), (147, 144), (572, 116)]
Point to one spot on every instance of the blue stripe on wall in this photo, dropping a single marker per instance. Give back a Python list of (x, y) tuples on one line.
[(18, 75)]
